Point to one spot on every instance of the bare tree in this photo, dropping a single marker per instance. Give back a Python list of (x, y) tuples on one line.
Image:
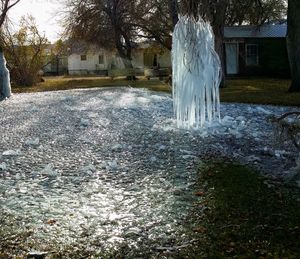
[(5, 6), (255, 12), (107, 23), (25, 51), (155, 20)]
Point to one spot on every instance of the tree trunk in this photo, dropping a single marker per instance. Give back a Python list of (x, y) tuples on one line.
[(5, 88), (218, 15), (219, 48), (174, 11), (293, 43)]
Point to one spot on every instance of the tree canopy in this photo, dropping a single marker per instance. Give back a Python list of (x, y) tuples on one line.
[(105, 22)]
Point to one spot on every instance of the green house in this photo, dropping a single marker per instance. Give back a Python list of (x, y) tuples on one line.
[(256, 50)]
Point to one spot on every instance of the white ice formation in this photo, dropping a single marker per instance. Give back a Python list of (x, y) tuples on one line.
[(5, 87), (16, 152), (196, 74)]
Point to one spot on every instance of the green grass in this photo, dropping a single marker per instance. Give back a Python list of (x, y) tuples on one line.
[(260, 91), (243, 217), (253, 90), (67, 83)]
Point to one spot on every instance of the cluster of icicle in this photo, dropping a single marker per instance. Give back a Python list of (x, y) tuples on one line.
[(196, 74), (5, 88)]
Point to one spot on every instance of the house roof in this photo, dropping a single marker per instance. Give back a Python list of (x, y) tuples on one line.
[(268, 30)]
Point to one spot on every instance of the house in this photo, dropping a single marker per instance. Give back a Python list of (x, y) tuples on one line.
[(249, 51), (256, 50), (87, 59), (54, 64)]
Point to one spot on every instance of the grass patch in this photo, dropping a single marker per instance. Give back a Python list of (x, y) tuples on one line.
[(260, 91), (241, 217), (68, 83), (255, 90)]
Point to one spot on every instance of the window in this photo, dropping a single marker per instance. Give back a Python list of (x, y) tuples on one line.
[(251, 55), (101, 59), (83, 57)]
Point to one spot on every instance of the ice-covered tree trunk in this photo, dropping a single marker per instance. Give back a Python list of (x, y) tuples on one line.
[(5, 87), (196, 73)]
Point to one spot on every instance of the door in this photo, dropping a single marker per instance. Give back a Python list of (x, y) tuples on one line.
[(232, 61)]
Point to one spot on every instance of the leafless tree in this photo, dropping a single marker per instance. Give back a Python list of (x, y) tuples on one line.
[(105, 22), (5, 6), (25, 51), (155, 20)]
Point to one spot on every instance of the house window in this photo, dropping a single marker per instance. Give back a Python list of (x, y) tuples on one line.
[(101, 59), (251, 54), (83, 58)]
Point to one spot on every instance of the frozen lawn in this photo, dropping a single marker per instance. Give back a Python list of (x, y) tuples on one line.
[(101, 170)]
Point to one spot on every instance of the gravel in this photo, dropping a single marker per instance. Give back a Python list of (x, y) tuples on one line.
[(101, 169)]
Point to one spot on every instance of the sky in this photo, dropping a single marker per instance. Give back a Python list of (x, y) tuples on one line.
[(45, 12)]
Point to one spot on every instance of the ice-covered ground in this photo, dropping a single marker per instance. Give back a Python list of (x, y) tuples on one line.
[(104, 168)]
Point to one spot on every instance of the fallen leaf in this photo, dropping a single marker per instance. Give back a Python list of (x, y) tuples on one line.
[(200, 229), (51, 222)]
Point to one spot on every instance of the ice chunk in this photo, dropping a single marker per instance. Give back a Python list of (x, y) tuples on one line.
[(112, 165), (33, 109), (253, 158), (84, 123), (68, 98), (280, 153), (88, 168), (93, 115), (49, 171), (16, 152), (241, 118), (3, 166), (117, 147), (260, 109), (162, 147), (228, 119), (32, 142), (188, 157), (187, 152), (85, 140), (153, 159)]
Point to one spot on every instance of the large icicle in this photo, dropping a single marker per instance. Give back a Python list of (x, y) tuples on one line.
[(5, 88), (196, 74)]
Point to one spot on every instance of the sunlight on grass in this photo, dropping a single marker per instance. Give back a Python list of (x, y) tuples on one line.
[(67, 83), (254, 90), (251, 88)]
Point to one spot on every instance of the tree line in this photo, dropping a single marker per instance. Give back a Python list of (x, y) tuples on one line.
[(117, 24)]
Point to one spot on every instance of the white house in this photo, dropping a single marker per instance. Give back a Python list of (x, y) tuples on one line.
[(90, 59)]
